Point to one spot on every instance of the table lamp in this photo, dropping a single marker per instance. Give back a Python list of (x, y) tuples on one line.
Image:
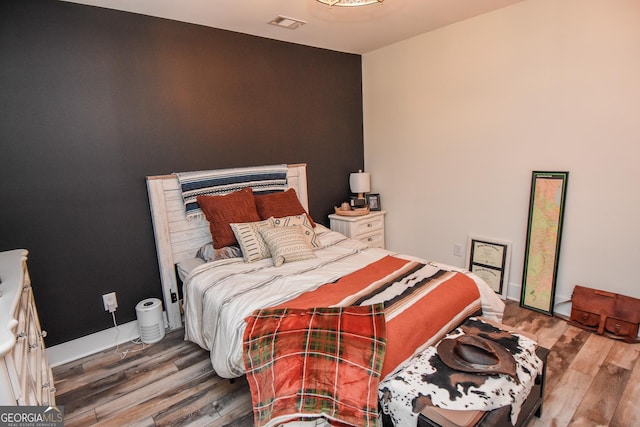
[(360, 183)]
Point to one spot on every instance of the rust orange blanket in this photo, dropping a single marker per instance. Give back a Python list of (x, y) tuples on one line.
[(422, 302)]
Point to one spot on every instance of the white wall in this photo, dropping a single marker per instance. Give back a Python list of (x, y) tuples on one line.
[(456, 120)]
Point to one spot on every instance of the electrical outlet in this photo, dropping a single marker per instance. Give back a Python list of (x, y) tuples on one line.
[(457, 250), (110, 302)]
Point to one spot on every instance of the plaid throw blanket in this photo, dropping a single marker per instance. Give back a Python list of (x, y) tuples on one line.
[(305, 364), (262, 179)]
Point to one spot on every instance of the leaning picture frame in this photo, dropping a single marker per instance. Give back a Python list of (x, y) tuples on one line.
[(373, 200), (542, 247), (490, 259)]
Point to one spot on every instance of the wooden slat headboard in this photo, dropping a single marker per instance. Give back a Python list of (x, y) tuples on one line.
[(178, 239)]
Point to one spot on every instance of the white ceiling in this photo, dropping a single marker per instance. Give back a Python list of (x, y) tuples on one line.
[(346, 29)]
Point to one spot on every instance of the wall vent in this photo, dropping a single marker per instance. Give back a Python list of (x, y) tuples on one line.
[(286, 22)]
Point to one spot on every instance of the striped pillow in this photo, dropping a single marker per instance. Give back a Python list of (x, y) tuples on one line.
[(251, 242), (287, 244)]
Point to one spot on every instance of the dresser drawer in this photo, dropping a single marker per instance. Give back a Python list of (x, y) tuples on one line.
[(21, 348), (26, 296)]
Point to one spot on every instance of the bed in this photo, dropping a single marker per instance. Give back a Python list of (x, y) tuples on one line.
[(220, 296)]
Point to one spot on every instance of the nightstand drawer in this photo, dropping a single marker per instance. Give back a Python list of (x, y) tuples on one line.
[(372, 224), (373, 240)]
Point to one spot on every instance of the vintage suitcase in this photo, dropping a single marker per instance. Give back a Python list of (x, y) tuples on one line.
[(606, 313)]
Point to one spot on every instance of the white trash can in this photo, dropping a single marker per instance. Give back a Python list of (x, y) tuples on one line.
[(150, 320)]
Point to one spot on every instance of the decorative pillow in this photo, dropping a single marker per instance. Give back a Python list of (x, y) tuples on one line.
[(287, 244), (220, 211), (280, 204), (208, 253), (303, 221), (251, 242)]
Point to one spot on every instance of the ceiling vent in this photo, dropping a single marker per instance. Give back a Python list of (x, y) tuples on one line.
[(286, 22)]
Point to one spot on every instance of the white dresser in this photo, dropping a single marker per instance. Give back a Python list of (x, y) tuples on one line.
[(366, 228), (25, 375)]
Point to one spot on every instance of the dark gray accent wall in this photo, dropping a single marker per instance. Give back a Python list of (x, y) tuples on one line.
[(94, 100)]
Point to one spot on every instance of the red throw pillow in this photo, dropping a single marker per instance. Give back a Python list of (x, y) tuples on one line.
[(279, 205), (220, 211)]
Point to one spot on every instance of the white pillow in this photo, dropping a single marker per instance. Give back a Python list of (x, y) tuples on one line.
[(287, 244), (208, 253), (251, 242), (187, 266), (303, 221)]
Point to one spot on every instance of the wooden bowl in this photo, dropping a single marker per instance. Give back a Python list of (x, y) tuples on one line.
[(352, 212)]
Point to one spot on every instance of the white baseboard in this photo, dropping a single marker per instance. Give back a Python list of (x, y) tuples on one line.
[(91, 344), (102, 340)]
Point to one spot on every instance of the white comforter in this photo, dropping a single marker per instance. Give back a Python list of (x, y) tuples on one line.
[(219, 295)]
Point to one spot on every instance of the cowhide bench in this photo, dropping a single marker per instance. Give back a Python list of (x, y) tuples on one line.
[(428, 368)]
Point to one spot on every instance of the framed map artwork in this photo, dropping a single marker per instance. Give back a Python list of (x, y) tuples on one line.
[(544, 230)]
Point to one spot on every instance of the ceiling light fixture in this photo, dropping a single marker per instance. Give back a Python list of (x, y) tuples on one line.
[(349, 2)]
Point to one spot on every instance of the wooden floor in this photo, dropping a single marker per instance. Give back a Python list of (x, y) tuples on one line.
[(591, 381)]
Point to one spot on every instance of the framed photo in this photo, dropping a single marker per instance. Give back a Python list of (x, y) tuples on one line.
[(490, 258), (542, 250), (373, 200)]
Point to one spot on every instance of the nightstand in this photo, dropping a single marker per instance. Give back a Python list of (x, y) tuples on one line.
[(367, 228)]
